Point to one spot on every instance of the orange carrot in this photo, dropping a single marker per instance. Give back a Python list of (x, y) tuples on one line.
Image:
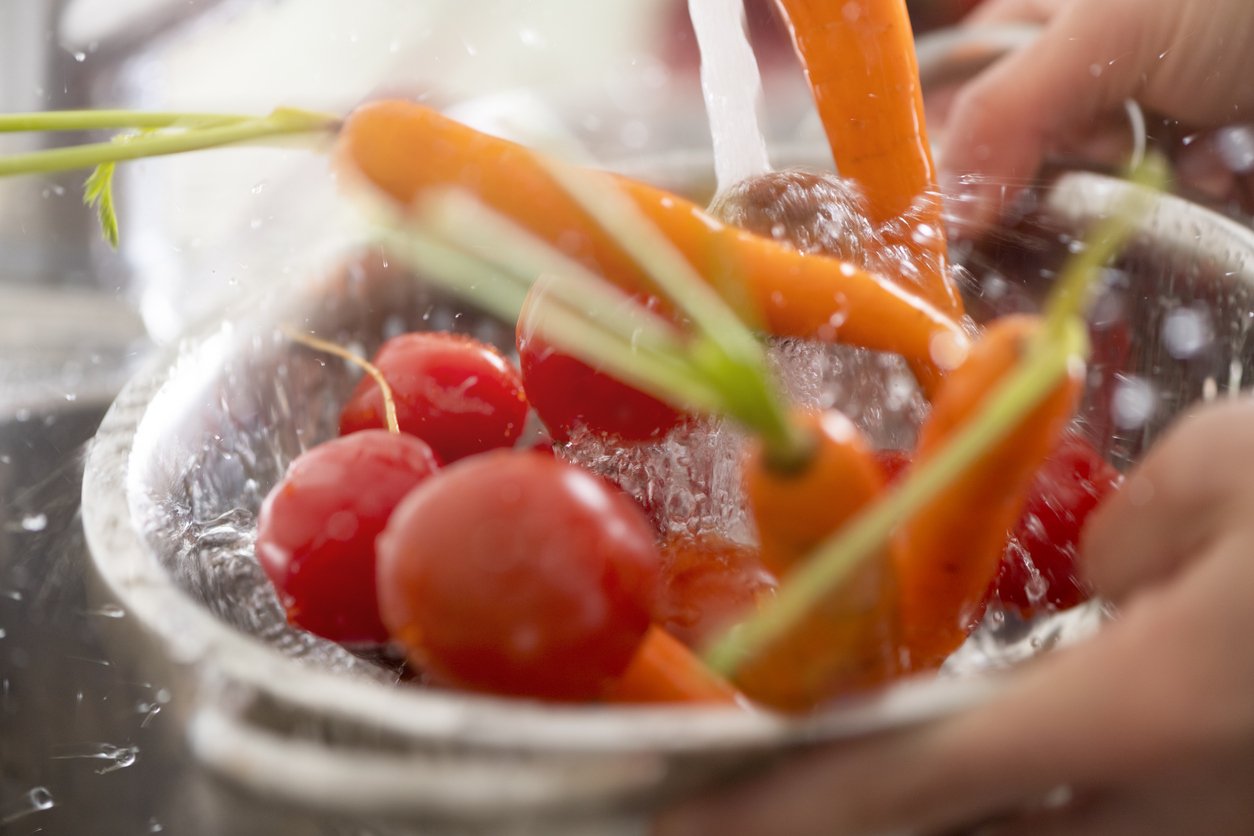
[(859, 59), (950, 549), (848, 641), (407, 150), (665, 671)]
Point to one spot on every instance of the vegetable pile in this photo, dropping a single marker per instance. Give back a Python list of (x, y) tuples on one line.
[(436, 523)]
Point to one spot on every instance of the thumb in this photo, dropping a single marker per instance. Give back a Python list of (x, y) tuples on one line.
[(1086, 61)]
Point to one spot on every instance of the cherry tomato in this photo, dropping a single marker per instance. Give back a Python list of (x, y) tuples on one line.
[(455, 393), (708, 584), (1038, 571), (317, 528), (567, 393), (517, 573)]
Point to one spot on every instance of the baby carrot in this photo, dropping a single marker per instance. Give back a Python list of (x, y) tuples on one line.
[(407, 150), (847, 641), (950, 549), (859, 59), (665, 671)]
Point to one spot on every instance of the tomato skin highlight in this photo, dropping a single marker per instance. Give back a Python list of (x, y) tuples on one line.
[(459, 395), (516, 573), (317, 528)]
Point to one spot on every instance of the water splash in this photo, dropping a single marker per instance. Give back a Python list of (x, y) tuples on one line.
[(115, 757), (732, 87), (36, 800)]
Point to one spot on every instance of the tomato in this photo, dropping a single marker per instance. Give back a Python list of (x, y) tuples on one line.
[(317, 528), (1038, 571), (568, 394), (517, 573), (459, 395), (708, 584)]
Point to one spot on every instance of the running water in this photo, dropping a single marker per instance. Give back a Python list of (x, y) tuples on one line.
[(732, 87)]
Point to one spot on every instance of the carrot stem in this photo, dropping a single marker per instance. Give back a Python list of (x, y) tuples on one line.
[(279, 123), (728, 350), (1073, 288), (867, 534), (95, 120)]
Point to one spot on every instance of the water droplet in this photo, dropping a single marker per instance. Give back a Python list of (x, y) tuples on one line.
[(79, 56), (155, 826), (108, 611), (1235, 146), (71, 397), (34, 522), (2, 633), (1133, 403), (259, 187), (35, 800), (117, 757), (1095, 70), (1186, 331)]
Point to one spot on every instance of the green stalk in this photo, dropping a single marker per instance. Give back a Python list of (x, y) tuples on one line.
[(468, 224), (281, 122), (654, 369), (1070, 296), (109, 120), (866, 535), (728, 351), (1062, 342)]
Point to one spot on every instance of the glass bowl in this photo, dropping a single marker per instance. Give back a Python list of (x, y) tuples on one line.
[(187, 452)]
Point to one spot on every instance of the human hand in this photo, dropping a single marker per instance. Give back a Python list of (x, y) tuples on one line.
[(1187, 61), (1148, 727)]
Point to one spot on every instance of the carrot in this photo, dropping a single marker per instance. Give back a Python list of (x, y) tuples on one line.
[(847, 642), (860, 62), (950, 549), (665, 671), (407, 150)]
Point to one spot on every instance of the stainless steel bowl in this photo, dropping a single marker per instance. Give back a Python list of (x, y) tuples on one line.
[(184, 456)]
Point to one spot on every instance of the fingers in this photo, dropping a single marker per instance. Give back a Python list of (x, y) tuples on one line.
[(1158, 699), (1085, 61), (1005, 756), (1174, 503)]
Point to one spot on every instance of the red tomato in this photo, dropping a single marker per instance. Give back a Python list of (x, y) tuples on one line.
[(317, 527), (516, 573), (708, 584), (567, 393), (455, 393), (1038, 571)]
